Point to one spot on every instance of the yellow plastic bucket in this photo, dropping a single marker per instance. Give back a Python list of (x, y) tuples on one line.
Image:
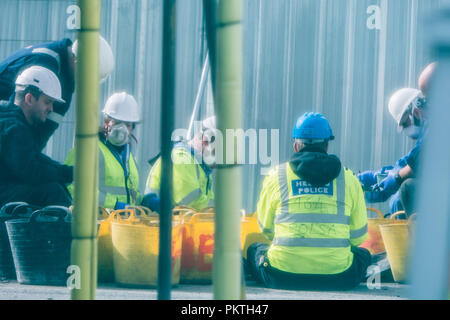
[(251, 233), (104, 243), (374, 242), (198, 247), (136, 248), (396, 239)]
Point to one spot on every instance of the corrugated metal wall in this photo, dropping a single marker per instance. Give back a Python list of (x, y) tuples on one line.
[(343, 58)]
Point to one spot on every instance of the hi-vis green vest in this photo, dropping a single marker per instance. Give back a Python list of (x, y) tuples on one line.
[(192, 186), (312, 229), (114, 185)]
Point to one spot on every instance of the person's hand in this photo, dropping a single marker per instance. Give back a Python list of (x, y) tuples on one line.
[(367, 179), (151, 201), (383, 190)]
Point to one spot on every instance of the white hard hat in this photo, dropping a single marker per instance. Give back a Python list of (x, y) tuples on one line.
[(209, 123), (123, 107), (42, 78), (401, 100), (107, 64)]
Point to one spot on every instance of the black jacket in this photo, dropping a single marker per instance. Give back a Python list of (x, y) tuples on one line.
[(315, 166), (21, 160), (11, 67)]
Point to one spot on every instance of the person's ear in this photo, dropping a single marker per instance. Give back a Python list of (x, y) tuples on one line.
[(29, 99), (295, 146)]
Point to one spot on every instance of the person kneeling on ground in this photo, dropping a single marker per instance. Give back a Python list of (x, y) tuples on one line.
[(28, 175)]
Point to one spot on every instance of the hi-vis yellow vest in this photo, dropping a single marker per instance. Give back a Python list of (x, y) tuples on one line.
[(192, 186), (312, 229), (114, 186)]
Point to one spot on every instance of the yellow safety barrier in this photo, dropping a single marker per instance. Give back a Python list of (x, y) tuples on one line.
[(136, 248), (374, 242), (396, 239)]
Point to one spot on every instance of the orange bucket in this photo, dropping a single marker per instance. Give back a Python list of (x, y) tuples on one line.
[(198, 247), (374, 242)]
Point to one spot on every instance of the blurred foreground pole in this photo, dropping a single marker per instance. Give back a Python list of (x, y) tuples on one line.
[(167, 127), (84, 222), (429, 268), (226, 66)]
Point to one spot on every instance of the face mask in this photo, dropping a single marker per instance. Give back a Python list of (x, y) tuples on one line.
[(118, 135), (209, 155)]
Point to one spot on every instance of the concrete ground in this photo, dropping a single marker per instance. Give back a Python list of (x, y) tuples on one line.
[(387, 291)]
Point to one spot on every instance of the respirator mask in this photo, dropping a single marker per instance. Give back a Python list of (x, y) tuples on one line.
[(118, 135)]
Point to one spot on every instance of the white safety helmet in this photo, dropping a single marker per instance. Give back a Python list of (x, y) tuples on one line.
[(107, 63), (401, 100), (209, 123), (123, 107), (42, 78)]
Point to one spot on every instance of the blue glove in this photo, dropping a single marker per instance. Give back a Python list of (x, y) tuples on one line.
[(151, 201), (385, 170), (374, 196), (383, 190), (120, 205), (368, 179)]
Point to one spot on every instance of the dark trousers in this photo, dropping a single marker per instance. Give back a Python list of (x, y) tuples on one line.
[(41, 195), (271, 277), (407, 193)]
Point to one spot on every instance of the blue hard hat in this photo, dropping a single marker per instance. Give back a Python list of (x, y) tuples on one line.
[(312, 126)]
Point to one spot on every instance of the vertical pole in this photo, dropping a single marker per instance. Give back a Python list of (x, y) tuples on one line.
[(228, 100), (430, 265), (167, 127), (84, 222)]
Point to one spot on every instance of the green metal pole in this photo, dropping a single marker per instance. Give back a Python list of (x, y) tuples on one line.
[(167, 127), (84, 222), (227, 251)]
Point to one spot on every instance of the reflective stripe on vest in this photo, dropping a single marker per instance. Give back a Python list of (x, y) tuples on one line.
[(311, 242), (354, 234), (285, 217), (104, 190), (190, 197)]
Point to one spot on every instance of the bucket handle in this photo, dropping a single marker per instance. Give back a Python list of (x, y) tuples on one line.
[(144, 211), (103, 214), (183, 210), (10, 208), (117, 214), (16, 206), (207, 210), (59, 212), (397, 214), (378, 212)]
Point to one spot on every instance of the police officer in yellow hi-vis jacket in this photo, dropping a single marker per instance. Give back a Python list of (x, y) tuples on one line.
[(118, 173), (193, 162), (313, 211)]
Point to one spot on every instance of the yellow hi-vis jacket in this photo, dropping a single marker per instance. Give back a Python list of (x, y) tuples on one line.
[(116, 182), (192, 182), (312, 230)]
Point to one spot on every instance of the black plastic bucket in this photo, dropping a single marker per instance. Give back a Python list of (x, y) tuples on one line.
[(41, 245), (10, 211)]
